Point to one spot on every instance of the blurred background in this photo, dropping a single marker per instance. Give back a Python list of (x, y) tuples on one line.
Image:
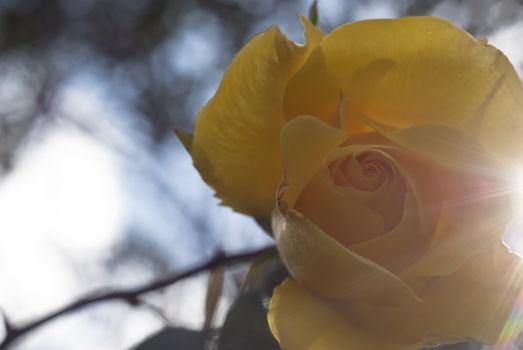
[(96, 190)]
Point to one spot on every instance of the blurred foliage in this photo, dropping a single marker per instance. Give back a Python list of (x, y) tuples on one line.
[(136, 41), (246, 326), (313, 12), (169, 54), (265, 273)]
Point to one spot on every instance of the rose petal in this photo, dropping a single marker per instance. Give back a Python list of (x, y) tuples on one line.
[(314, 258), (473, 216), (447, 146), (479, 301), (448, 255), (236, 142), (300, 320), (424, 70), (347, 213), (326, 267), (400, 247), (305, 141), (453, 202), (344, 216), (312, 91)]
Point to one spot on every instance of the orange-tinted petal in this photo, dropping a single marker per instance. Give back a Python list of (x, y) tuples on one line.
[(424, 70)]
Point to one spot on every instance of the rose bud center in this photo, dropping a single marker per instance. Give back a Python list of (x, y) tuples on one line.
[(357, 195)]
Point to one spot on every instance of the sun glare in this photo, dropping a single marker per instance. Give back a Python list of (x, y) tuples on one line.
[(513, 237), (519, 188)]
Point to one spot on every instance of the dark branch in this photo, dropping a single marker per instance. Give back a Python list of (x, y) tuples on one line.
[(131, 295), (7, 324)]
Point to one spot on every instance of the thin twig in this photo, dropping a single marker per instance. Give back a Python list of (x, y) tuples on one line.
[(129, 295), (158, 311), (7, 324)]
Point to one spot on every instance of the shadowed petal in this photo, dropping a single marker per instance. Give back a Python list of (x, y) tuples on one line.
[(300, 320)]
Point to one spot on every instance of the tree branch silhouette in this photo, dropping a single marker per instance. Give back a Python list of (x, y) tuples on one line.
[(130, 295)]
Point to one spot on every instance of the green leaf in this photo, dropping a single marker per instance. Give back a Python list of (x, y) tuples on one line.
[(185, 138), (174, 339), (265, 223), (265, 273), (313, 13), (246, 326)]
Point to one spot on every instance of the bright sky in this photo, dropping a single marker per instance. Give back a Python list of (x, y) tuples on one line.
[(71, 197)]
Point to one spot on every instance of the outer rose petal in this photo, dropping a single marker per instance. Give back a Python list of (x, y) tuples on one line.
[(331, 270), (423, 70), (300, 320), (475, 302), (236, 141), (312, 91)]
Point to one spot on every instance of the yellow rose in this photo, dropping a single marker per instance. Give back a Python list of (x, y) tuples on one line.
[(399, 142)]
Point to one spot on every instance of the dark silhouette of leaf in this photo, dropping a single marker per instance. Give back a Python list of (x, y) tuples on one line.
[(246, 326), (175, 339)]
